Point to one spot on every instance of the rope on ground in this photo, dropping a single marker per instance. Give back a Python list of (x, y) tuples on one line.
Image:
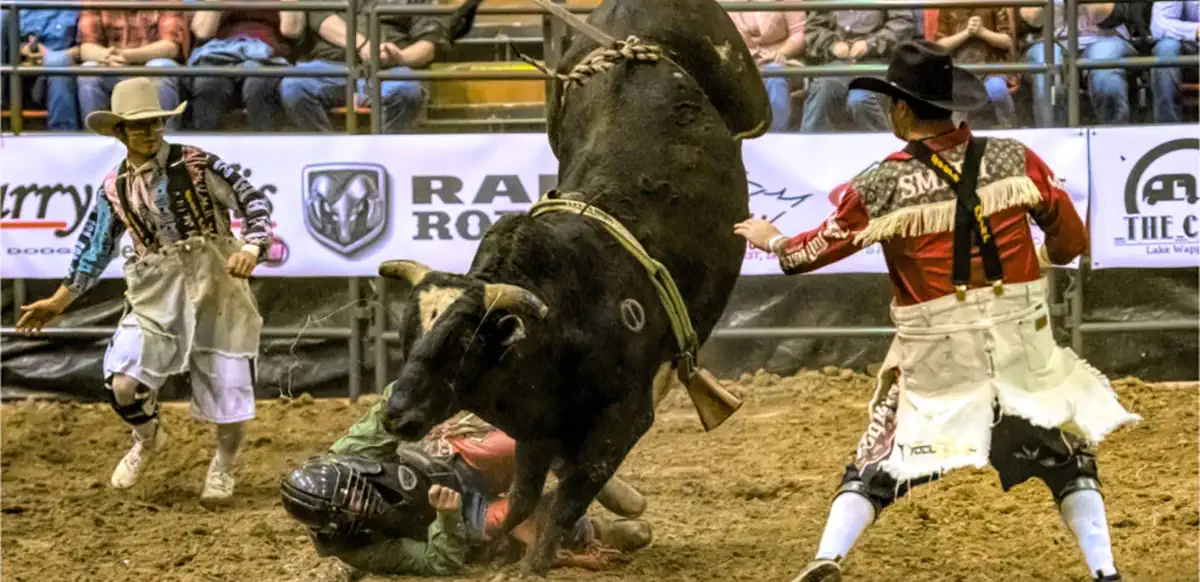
[(285, 388)]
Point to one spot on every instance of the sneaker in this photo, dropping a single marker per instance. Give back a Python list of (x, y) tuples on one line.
[(820, 570), (1114, 577), (134, 462), (218, 485)]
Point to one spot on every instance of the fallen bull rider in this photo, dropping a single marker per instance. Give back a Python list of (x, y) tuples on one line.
[(383, 506)]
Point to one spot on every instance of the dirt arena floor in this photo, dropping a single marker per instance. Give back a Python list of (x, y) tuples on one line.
[(745, 503)]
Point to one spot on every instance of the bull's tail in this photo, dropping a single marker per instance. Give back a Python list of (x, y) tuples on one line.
[(462, 19)]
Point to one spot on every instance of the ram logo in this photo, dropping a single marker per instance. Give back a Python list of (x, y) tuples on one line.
[(346, 204)]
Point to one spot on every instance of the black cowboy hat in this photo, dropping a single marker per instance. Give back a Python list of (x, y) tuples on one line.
[(923, 71)]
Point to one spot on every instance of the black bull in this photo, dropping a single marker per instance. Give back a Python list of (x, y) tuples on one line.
[(541, 337)]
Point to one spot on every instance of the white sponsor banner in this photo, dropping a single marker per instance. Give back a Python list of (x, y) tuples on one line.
[(1145, 192), (427, 197)]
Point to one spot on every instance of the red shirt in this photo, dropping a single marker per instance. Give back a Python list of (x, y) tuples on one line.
[(130, 29), (919, 263)]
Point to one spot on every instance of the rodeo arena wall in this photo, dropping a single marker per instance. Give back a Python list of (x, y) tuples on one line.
[(343, 204)]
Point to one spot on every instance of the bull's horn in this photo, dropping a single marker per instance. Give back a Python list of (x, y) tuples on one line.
[(410, 271), (514, 298)]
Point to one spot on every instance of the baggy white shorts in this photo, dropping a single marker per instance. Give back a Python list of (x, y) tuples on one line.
[(222, 385)]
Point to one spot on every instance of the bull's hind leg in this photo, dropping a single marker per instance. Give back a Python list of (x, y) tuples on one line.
[(603, 450)]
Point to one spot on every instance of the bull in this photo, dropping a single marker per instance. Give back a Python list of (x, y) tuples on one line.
[(558, 334)]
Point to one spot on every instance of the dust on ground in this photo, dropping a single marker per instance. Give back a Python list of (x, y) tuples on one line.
[(744, 503)]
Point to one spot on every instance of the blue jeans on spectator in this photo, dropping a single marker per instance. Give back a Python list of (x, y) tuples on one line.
[(211, 97), (1108, 89), (779, 93), (831, 104), (306, 100), (1165, 82), (1000, 100), (94, 92), (57, 93)]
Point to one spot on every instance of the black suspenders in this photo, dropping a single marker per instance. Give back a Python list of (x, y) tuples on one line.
[(970, 224)]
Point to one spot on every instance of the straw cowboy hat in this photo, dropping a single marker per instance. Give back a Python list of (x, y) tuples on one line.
[(922, 70), (132, 100)]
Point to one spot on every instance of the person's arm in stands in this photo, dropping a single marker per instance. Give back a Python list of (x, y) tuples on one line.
[(1066, 235), (946, 36), (821, 42), (1002, 37), (900, 26), (91, 38), (291, 22), (205, 23), (172, 33), (1098, 12), (793, 47), (1032, 15), (1166, 21)]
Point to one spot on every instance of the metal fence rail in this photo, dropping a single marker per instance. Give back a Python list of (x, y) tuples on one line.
[(374, 314)]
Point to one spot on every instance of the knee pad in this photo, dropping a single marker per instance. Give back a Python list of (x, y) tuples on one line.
[(856, 486), (1076, 485), (143, 409)]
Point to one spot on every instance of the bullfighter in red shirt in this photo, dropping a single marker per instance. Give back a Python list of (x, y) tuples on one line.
[(973, 375)]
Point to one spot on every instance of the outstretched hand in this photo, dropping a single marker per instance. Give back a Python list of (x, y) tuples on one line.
[(757, 232), (36, 315)]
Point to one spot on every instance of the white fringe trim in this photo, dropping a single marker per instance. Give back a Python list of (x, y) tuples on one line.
[(939, 216)]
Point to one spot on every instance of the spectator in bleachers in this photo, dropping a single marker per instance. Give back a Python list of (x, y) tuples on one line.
[(845, 37), (240, 38), (774, 39), (982, 35), (1176, 29), (48, 40), (117, 38), (406, 43), (1101, 37)]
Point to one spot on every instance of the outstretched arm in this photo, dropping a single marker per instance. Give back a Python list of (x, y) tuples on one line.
[(826, 244)]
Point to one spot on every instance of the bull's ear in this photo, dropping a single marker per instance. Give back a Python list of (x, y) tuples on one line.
[(410, 271), (511, 329), (513, 299)]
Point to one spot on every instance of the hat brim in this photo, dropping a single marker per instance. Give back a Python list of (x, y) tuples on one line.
[(103, 122), (968, 93)]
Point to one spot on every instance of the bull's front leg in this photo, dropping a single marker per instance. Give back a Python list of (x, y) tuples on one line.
[(601, 453), (532, 462)]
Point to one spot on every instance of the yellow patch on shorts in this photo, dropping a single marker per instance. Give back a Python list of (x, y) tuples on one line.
[(433, 302)]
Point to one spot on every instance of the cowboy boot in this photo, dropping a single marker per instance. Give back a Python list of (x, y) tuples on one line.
[(621, 498), (626, 535)]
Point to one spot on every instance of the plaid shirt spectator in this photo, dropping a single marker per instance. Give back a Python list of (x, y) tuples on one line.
[(132, 28)]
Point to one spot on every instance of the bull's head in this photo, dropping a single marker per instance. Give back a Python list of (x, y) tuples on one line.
[(457, 328)]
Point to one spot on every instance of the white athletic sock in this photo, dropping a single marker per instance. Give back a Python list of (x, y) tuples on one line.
[(146, 433), (229, 439), (849, 517), (1083, 511)]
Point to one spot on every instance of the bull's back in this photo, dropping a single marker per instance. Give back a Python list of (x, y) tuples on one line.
[(702, 39)]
